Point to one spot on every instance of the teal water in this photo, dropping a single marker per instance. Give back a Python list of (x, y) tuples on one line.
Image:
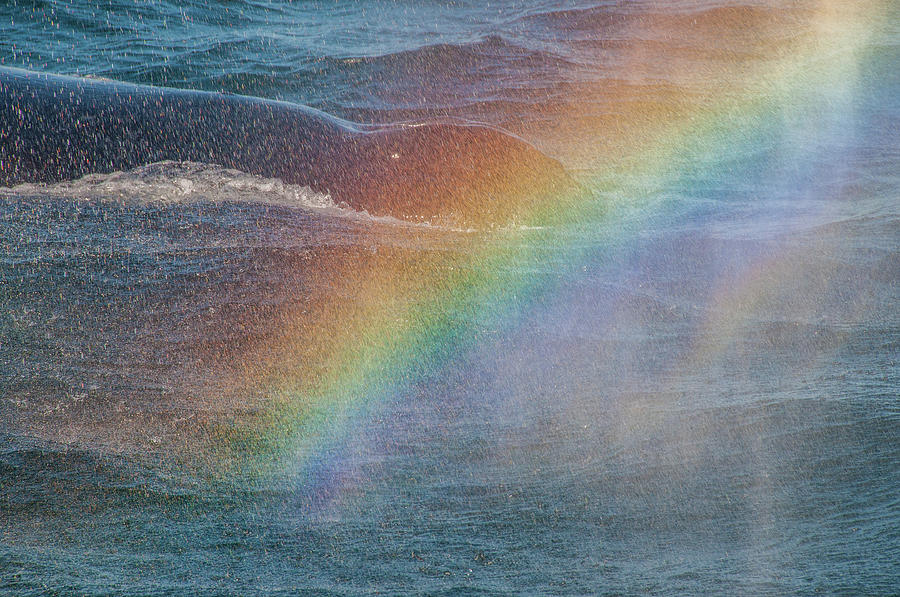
[(710, 405)]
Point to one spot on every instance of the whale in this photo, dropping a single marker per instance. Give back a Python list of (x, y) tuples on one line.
[(55, 128)]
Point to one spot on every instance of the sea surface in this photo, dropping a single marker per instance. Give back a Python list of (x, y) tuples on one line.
[(686, 381)]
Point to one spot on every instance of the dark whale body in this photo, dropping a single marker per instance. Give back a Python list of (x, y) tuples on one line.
[(55, 128)]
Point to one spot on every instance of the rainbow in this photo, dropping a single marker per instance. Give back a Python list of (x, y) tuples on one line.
[(407, 315)]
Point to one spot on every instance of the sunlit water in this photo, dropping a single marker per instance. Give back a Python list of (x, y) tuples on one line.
[(689, 386)]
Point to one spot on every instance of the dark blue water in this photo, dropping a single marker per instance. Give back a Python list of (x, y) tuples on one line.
[(708, 402)]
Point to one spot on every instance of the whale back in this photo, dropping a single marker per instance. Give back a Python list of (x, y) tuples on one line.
[(55, 128)]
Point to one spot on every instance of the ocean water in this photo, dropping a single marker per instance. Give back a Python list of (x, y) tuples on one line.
[(679, 378)]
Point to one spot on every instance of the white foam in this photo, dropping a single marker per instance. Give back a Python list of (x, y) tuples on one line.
[(185, 183), (181, 183)]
